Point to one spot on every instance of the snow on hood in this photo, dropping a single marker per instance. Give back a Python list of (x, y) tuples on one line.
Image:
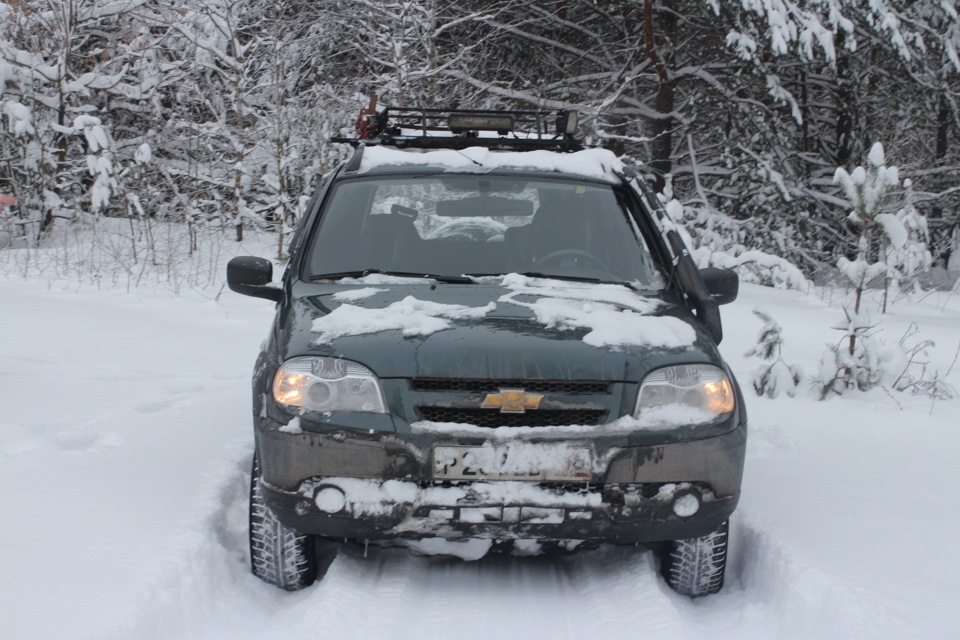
[(590, 163), (613, 315), (411, 316), (352, 295)]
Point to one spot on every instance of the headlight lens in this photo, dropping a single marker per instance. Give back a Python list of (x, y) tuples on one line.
[(685, 394), (328, 384)]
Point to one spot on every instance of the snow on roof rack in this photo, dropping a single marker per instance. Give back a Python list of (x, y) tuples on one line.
[(416, 127)]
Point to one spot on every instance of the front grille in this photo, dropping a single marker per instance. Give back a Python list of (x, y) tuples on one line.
[(493, 418), (569, 387)]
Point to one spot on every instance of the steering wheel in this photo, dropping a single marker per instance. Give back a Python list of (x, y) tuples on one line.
[(573, 253)]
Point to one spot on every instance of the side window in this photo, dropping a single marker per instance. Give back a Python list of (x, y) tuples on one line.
[(639, 219), (308, 213)]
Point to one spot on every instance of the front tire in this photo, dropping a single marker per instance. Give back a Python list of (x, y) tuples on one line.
[(278, 555), (695, 567)]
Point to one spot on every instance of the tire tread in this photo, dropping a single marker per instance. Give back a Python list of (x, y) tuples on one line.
[(695, 567), (278, 555)]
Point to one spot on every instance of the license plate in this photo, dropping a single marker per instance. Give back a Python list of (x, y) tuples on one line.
[(559, 462)]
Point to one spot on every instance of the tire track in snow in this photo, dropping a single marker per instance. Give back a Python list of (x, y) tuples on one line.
[(771, 592), (808, 599), (617, 588), (206, 590), (498, 596), (194, 580)]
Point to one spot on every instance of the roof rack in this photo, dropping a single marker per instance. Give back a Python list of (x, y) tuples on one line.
[(419, 128)]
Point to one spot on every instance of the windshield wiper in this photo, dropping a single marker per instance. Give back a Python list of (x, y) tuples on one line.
[(399, 274), (553, 276)]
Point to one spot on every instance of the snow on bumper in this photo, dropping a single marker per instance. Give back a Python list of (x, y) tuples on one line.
[(379, 510), (378, 486)]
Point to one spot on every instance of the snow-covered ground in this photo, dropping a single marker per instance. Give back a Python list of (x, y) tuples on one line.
[(125, 446)]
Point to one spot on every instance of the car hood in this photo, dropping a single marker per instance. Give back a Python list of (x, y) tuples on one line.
[(491, 330)]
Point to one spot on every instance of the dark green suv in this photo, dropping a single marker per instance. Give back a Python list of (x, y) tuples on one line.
[(490, 336)]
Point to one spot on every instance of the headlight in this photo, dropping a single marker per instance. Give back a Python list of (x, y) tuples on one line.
[(685, 394), (328, 384)]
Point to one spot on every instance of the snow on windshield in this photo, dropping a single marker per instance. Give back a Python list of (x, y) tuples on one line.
[(591, 163)]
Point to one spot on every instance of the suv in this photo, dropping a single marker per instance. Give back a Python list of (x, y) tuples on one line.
[(488, 334)]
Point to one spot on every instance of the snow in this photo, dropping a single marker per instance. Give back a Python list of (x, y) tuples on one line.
[(875, 157), (384, 279), (859, 271), (613, 314), (7, 74), (894, 229), (463, 549), (19, 118), (673, 414), (92, 129), (591, 163), (143, 154), (653, 420), (292, 427), (616, 294), (353, 295), (609, 326), (411, 316), (125, 448), (754, 266)]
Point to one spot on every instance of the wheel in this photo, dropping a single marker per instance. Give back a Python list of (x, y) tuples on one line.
[(279, 555), (572, 253), (695, 567)]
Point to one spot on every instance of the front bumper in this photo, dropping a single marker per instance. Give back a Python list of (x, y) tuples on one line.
[(347, 483)]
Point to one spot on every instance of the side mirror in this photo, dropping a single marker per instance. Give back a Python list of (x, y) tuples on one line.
[(723, 284), (251, 276)]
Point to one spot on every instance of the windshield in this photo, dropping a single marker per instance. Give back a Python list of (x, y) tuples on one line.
[(454, 225)]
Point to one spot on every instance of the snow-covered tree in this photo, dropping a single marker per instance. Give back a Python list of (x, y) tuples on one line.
[(860, 364), (866, 190), (749, 107), (775, 375), (716, 240), (61, 64), (863, 363), (907, 254), (99, 161)]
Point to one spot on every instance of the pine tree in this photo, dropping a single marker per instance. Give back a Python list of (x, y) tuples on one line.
[(775, 375)]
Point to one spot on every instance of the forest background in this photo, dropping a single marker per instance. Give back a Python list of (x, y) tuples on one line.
[(187, 119)]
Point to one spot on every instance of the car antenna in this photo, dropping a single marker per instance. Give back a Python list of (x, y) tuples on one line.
[(476, 162)]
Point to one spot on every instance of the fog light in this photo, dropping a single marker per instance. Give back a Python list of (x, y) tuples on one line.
[(330, 499), (686, 505)]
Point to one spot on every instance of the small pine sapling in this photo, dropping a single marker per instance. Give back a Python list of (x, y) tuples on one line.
[(866, 189), (861, 365), (774, 375)]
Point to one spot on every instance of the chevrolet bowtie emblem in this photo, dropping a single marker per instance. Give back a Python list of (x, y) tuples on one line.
[(512, 401)]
